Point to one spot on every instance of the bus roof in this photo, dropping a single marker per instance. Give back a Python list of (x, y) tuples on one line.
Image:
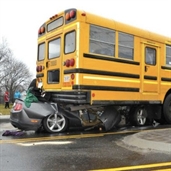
[(113, 24)]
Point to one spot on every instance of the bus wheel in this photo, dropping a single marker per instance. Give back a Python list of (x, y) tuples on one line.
[(167, 109), (110, 118), (138, 116), (55, 123)]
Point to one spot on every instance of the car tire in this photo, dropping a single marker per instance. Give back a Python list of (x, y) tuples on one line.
[(167, 109), (55, 123)]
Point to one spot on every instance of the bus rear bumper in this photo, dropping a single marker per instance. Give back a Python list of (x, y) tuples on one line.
[(74, 97)]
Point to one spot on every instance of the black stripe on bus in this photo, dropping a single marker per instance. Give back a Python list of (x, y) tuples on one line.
[(150, 77), (165, 67), (39, 75), (99, 72), (110, 59), (166, 79), (105, 88), (124, 102)]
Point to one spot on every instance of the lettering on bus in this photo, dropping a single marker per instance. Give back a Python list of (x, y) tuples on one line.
[(55, 24)]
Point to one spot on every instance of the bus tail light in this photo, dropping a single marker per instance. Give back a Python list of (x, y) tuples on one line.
[(39, 68), (41, 30), (54, 16), (72, 76), (70, 62), (83, 14), (93, 94), (70, 15), (67, 16), (67, 63)]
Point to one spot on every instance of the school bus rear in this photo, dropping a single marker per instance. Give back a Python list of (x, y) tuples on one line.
[(58, 51), (74, 70)]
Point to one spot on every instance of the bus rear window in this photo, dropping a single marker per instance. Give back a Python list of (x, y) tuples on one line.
[(55, 24), (70, 42), (53, 76), (41, 52), (54, 48)]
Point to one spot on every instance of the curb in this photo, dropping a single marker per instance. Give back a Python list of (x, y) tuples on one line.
[(140, 142), (4, 118)]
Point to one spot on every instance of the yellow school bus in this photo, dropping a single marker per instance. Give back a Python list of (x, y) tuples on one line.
[(98, 69)]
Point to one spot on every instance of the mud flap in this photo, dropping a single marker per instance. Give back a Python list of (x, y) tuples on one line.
[(110, 118)]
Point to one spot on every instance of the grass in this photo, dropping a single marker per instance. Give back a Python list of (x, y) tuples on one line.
[(4, 111)]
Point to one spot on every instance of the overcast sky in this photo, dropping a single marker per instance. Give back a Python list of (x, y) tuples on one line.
[(21, 19)]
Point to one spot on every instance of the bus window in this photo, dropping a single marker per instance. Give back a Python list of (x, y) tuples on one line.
[(54, 48), (168, 55), (150, 56), (55, 24), (102, 41), (53, 76), (126, 46), (70, 42), (41, 52)]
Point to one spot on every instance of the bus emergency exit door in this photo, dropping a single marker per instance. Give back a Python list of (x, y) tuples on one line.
[(150, 69)]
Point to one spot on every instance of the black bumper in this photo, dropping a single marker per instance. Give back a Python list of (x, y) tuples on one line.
[(74, 97)]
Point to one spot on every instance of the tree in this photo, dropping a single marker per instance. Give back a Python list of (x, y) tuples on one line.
[(14, 74), (5, 55)]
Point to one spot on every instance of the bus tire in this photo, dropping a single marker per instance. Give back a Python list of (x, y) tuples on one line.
[(167, 109), (139, 116)]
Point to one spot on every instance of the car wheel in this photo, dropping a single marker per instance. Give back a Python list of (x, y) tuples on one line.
[(55, 123), (138, 116), (167, 109)]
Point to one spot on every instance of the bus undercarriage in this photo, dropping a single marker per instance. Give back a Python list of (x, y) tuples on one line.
[(105, 115), (75, 105)]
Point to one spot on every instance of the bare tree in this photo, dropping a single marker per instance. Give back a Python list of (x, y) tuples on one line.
[(4, 51), (14, 74), (5, 55)]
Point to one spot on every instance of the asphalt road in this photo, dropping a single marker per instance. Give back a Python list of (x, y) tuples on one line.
[(77, 151)]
